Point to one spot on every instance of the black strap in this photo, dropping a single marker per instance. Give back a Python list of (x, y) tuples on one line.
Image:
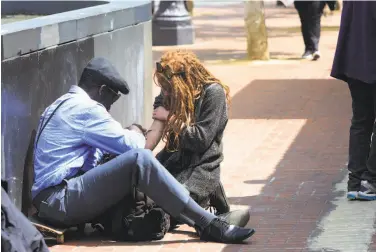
[(42, 128), (135, 190)]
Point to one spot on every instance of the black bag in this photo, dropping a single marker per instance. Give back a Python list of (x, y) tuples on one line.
[(135, 218)]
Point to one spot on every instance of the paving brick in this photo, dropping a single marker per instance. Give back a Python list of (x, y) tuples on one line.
[(64, 248)]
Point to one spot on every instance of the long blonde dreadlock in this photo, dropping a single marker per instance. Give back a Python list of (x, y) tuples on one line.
[(184, 87)]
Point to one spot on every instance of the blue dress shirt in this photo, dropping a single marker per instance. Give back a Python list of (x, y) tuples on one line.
[(76, 137)]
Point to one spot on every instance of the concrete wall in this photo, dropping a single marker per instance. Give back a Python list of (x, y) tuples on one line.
[(44, 7), (43, 57)]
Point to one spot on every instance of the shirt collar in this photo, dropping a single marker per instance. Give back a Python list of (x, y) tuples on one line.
[(74, 89)]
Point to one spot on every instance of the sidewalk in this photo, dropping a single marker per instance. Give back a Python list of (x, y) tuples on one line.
[(285, 145)]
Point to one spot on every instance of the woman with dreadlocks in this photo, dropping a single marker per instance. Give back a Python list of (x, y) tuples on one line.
[(190, 115)]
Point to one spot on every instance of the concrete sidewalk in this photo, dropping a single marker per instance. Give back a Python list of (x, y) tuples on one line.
[(285, 145)]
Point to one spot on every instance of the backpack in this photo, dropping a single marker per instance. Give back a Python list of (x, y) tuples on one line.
[(135, 218)]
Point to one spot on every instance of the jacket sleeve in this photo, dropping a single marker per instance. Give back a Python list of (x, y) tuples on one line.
[(103, 132), (212, 118)]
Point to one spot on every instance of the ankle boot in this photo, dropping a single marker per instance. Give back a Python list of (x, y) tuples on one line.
[(218, 200)]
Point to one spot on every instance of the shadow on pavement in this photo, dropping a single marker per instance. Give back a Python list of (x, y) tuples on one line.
[(210, 32), (298, 193), (207, 13), (96, 239), (223, 56)]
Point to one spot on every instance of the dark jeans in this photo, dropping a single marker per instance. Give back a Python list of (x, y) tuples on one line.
[(310, 13), (84, 198), (362, 150)]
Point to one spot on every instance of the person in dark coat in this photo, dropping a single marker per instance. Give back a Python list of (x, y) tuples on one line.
[(17, 232), (310, 13), (355, 63), (192, 115)]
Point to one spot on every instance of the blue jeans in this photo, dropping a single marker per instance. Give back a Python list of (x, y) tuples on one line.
[(83, 198), (362, 146)]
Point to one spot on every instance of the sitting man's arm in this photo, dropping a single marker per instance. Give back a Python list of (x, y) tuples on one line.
[(103, 132)]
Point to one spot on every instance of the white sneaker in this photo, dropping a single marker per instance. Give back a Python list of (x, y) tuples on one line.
[(316, 55), (367, 191), (307, 55)]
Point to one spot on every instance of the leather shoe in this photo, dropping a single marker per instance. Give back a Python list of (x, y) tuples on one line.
[(220, 231)]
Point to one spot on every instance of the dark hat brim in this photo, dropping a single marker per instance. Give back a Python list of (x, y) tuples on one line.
[(102, 69)]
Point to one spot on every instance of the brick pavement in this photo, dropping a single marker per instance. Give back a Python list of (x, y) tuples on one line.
[(286, 142)]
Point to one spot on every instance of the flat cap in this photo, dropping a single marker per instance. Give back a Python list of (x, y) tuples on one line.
[(101, 69)]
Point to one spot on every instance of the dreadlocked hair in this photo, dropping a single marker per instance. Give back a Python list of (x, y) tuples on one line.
[(184, 87)]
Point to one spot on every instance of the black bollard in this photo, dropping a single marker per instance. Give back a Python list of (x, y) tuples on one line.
[(172, 24)]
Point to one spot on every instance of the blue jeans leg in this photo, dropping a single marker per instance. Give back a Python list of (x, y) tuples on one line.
[(89, 195)]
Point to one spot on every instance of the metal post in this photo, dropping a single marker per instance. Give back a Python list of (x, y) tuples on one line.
[(172, 24)]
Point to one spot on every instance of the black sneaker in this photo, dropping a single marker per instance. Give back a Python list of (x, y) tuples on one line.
[(238, 218), (367, 191), (220, 231)]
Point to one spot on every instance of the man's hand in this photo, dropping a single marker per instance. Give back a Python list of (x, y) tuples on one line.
[(161, 114), (138, 128)]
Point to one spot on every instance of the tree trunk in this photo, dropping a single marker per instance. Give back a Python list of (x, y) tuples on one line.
[(189, 6), (257, 37), (338, 5)]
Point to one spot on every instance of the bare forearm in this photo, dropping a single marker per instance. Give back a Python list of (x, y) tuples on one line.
[(154, 134)]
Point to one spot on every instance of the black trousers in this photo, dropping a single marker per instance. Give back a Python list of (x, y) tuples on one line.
[(310, 13), (362, 146)]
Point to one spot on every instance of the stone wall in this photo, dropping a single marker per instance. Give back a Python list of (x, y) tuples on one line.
[(44, 7), (43, 57)]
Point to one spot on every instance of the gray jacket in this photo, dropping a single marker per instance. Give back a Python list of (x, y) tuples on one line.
[(197, 162)]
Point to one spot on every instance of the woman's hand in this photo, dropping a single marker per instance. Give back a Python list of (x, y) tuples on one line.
[(161, 114)]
